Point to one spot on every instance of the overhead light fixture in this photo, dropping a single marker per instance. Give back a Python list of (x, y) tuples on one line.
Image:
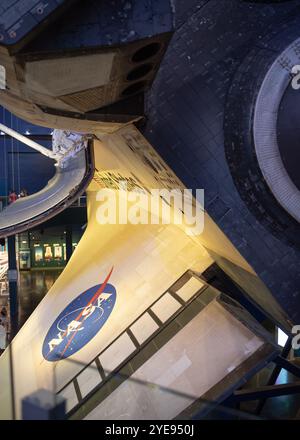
[(281, 338)]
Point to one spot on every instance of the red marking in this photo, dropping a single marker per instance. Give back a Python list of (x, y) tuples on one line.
[(97, 294)]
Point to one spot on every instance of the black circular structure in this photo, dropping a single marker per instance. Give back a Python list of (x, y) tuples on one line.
[(146, 52), (257, 121), (139, 72), (288, 133)]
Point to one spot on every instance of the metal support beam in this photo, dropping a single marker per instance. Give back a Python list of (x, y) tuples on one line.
[(69, 242), (288, 366), (33, 136), (30, 143), (275, 373), (13, 285), (266, 392)]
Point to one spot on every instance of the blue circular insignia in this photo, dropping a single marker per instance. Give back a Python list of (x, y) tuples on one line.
[(79, 322)]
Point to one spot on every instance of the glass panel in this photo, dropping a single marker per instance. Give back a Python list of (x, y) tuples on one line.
[(190, 289), (88, 379), (165, 307), (143, 328)]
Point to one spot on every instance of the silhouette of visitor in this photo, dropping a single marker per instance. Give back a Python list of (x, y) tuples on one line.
[(12, 197), (23, 193)]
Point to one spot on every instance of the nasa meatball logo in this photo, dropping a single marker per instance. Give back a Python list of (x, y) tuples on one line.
[(80, 321)]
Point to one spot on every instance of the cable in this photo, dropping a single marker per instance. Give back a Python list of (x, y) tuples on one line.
[(5, 158), (18, 160), (12, 155)]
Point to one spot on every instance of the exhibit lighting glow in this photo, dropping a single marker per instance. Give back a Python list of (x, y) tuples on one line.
[(281, 338)]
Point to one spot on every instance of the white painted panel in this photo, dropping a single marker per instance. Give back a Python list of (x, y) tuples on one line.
[(69, 394), (73, 75), (117, 353), (190, 288), (165, 307), (144, 328), (89, 379)]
